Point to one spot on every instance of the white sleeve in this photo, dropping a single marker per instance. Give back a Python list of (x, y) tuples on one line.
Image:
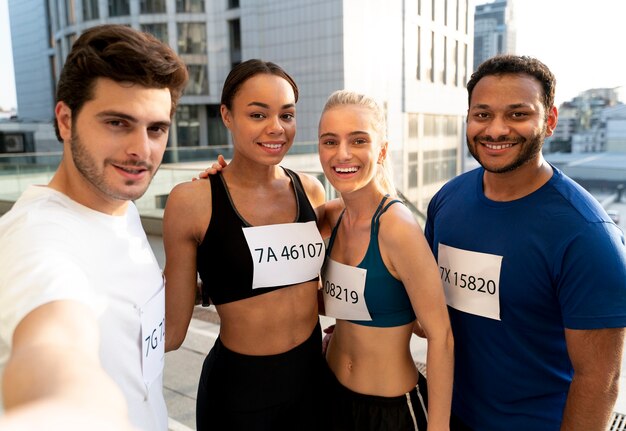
[(37, 271)]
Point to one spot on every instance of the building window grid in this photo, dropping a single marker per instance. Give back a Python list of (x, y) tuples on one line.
[(419, 53), (158, 30), (70, 17), (413, 170), (188, 126), (234, 32), (444, 72), (431, 62), (190, 6), (439, 165), (152, 6), (455, 59), (198, 84), (119, 7), (192, 38), (90, 10)]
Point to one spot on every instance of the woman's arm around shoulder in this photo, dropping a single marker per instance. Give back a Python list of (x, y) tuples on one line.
[(186, 217), (408, 257)]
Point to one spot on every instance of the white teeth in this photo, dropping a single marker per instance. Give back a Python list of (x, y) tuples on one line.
[(272, 146), (347, 170), (498, 147)]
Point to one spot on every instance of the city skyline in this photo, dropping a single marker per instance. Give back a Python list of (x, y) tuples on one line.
[(553, 31)]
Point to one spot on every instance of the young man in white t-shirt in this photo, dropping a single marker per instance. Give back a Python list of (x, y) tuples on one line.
[(80, 289)]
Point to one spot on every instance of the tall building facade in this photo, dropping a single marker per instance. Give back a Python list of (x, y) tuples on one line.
[(414, 57), (494, 30)]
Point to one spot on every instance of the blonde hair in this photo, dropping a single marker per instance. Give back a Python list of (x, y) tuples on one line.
[(384, 175)]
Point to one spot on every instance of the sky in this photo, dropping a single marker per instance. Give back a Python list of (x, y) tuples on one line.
[(583, 43)]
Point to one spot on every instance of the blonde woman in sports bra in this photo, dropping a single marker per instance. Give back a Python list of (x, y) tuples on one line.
[(379, 275)]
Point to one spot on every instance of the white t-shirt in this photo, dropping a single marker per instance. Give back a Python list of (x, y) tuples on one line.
[(53, 248)]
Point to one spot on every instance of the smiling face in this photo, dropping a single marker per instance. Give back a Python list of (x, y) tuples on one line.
[(115, 143), (350, 148), (262, 120), (507, 122)]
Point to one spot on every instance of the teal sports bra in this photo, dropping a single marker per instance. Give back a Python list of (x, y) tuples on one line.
[(385, 296)]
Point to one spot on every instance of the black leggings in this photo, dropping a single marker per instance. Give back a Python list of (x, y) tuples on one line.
[(351, 411), (275, 392)]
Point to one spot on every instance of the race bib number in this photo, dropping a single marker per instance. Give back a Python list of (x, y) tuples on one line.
[(286, 253), (343, 291), (471, 280), (153, 337)]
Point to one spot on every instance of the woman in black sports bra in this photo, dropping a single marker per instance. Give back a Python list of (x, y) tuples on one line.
[(379, 274), (250, 232)]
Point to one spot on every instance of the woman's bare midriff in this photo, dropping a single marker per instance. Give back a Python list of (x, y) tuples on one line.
[(271, 323), (360, 358)]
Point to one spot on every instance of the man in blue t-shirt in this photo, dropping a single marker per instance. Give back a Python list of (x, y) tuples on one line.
[(533, 268)]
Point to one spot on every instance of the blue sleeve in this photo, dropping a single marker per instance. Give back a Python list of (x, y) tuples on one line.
[(429, 228), (592, 279)]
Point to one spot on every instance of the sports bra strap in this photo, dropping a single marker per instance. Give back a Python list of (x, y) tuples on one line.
[(379, 212)]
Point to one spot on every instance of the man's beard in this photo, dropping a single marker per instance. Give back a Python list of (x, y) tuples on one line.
[(529, 151), (88, 168)]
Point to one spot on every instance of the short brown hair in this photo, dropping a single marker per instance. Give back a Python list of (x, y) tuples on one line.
[(514, 64), (122, 54)]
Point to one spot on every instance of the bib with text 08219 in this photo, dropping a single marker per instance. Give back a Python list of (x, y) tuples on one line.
[(153, 337), (343, 290), (471, 280), (287, 253)]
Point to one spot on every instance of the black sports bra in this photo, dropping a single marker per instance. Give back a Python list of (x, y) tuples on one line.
[(224, 260)]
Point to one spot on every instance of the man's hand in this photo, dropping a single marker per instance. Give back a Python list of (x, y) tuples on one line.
[(214, 169)]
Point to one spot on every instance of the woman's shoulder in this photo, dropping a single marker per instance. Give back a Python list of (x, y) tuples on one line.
[(189, 194), (313, 188)]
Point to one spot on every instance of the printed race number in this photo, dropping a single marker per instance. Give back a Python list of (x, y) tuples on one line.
[(471, 280)]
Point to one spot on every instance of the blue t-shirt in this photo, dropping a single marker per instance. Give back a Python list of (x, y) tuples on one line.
[(563, 265)]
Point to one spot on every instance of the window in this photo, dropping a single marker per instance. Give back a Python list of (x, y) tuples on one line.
[(439, 165), (192, 38), (464, 65), (90, 10), (189, 6), (419, 53), (433, 5), (152, 6), (119, 7), (188, 126), (455, 63), (70, 18), (233, 4), (198, 80), (158, 30), (234, 32), (413, 170), (429, 41), (70, 39), (413, 127), (444, 69), (217, 132)]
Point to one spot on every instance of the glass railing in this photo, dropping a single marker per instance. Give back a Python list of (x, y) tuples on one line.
[(18, 171)]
